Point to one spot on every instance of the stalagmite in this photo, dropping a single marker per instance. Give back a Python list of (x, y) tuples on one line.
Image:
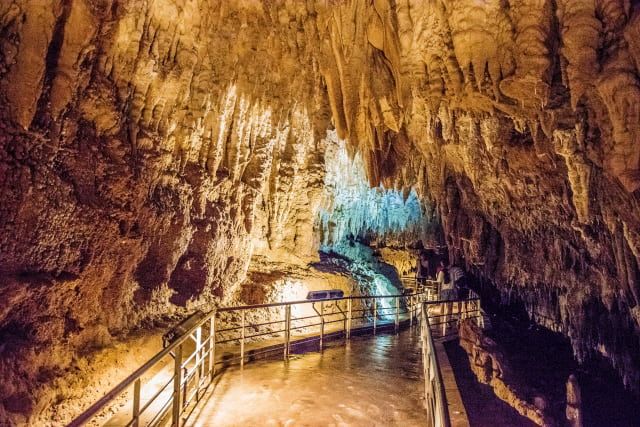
[(574, 403)]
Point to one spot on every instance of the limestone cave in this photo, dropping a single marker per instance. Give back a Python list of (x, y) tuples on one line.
[(162, 157)]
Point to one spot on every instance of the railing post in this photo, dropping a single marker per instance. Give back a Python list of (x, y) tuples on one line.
[(242, 340), (199, 361), (185, 386), (177, 385), (375, 314), (447, 308), (287, 330), (136, 403), (344, 321), (349, 317), (212, 346), (199, 347), (321, 323), (410, 309), (397, 323)]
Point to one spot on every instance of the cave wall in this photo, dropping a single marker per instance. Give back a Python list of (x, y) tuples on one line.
[(539, 192), (145, 147), (148, 147)]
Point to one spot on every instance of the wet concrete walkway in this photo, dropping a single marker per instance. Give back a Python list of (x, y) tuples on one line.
[(372, 381)]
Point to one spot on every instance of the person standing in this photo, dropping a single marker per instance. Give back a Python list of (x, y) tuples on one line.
[(445, 284), (422, 271), (459, 281), (447, 293)]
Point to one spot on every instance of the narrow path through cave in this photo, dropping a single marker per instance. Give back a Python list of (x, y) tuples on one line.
[(372, 381)]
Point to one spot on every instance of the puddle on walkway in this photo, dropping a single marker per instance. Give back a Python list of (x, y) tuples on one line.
[(372, 381)]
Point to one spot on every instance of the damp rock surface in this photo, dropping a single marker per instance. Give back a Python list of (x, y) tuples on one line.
[(484, 408), (532, 370)]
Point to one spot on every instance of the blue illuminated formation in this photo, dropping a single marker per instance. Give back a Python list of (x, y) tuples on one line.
[(353, 210)]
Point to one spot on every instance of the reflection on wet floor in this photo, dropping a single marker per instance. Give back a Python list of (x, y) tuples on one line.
[(372, 381)]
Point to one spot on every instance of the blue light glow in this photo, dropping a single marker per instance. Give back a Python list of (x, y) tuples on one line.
[(352, 210)]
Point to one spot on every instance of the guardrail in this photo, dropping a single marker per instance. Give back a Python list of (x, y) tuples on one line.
[(190, 359), (421, 285), (435, 396)]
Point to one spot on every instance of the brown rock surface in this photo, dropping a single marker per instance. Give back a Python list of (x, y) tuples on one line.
[(489, 364), (146, 149)]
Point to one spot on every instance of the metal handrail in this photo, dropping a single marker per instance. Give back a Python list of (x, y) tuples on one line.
[(435, 394), (138, 373), (434, 387), (281, 304), (202, 358)]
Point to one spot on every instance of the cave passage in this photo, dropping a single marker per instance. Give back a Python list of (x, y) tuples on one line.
[(354, 216), (163, 158)]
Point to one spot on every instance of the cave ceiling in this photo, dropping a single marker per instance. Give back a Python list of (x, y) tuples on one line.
[(147, 146)]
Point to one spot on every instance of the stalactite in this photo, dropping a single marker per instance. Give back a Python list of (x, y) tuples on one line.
[(353, 210), (149, 149)]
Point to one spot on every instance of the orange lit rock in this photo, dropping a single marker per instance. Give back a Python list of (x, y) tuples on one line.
[(148, 148)]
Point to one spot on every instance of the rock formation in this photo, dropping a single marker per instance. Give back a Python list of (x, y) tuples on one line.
[(147, 147), (489, 364)]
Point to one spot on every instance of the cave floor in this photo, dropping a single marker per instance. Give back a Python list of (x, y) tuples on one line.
[(370, 381), (119, 414)]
